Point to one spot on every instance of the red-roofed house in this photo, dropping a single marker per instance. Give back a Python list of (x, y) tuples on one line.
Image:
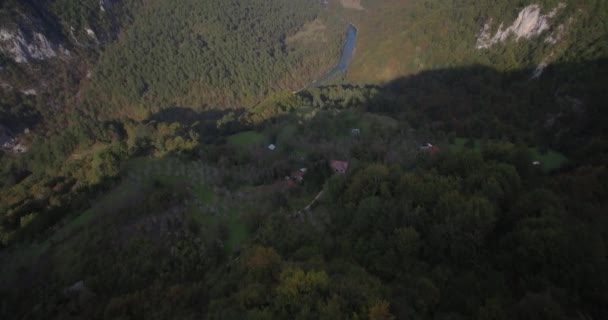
[(339, 166), (430, 149), (297, 175)]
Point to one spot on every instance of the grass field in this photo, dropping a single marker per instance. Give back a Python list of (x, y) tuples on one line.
[(286, 134), (461, 143), (237, 231), (206, 207), (230, 218), (549, 161), (247, 138)]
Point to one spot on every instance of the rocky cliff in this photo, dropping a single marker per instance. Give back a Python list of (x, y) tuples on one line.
[(28, 31), (530, 23), (24, 45), (33, 30)]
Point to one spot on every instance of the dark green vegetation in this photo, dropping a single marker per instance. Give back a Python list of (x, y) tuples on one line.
[(183, 212), (218, 232), (212, 53), (548, 160)]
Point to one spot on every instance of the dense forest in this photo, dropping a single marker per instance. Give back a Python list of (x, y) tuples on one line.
[(213, 53), (172, 170)]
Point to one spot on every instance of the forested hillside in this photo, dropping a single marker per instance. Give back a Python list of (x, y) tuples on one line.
[(420, 35), (212, 54), (180, 164), (503, 219)]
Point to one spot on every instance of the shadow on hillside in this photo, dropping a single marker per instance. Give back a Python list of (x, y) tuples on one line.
[(186, 116), (563, 108), (206, 122)]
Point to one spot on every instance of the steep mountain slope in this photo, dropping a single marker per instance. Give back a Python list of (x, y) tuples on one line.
[(422, 35), (35, 30), (28, 32), (213, 54), (503, 216), (134, 57), (460, 175)]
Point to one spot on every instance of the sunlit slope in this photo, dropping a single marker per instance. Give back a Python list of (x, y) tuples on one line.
[(399, 38), (212, 53)]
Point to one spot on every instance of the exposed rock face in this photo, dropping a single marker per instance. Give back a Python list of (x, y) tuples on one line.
[(559, 33), (92, 35), (530, 23), (30, 92), (28, 32), (104, 5), (539, 70), (23, 46)]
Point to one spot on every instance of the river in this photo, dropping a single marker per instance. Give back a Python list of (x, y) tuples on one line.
[(345, 58)]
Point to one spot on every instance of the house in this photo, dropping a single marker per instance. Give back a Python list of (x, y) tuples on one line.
[(297, 176), (355, 132), (536, 163), (271, 147), (430, 149), (339, 166)]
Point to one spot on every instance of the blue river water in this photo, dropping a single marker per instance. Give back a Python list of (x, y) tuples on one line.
[(345, 58)]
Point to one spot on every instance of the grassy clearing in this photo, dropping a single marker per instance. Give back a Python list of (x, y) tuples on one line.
[(173, 171), (203, 193), (286, 134), (549, 161), (460, 144), (237, 231), (247, 138)]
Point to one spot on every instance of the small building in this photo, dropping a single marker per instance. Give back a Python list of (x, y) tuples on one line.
[(339, 166), (430, 149), (297, 176), (536, 163), (271, 147), (355, 132)]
